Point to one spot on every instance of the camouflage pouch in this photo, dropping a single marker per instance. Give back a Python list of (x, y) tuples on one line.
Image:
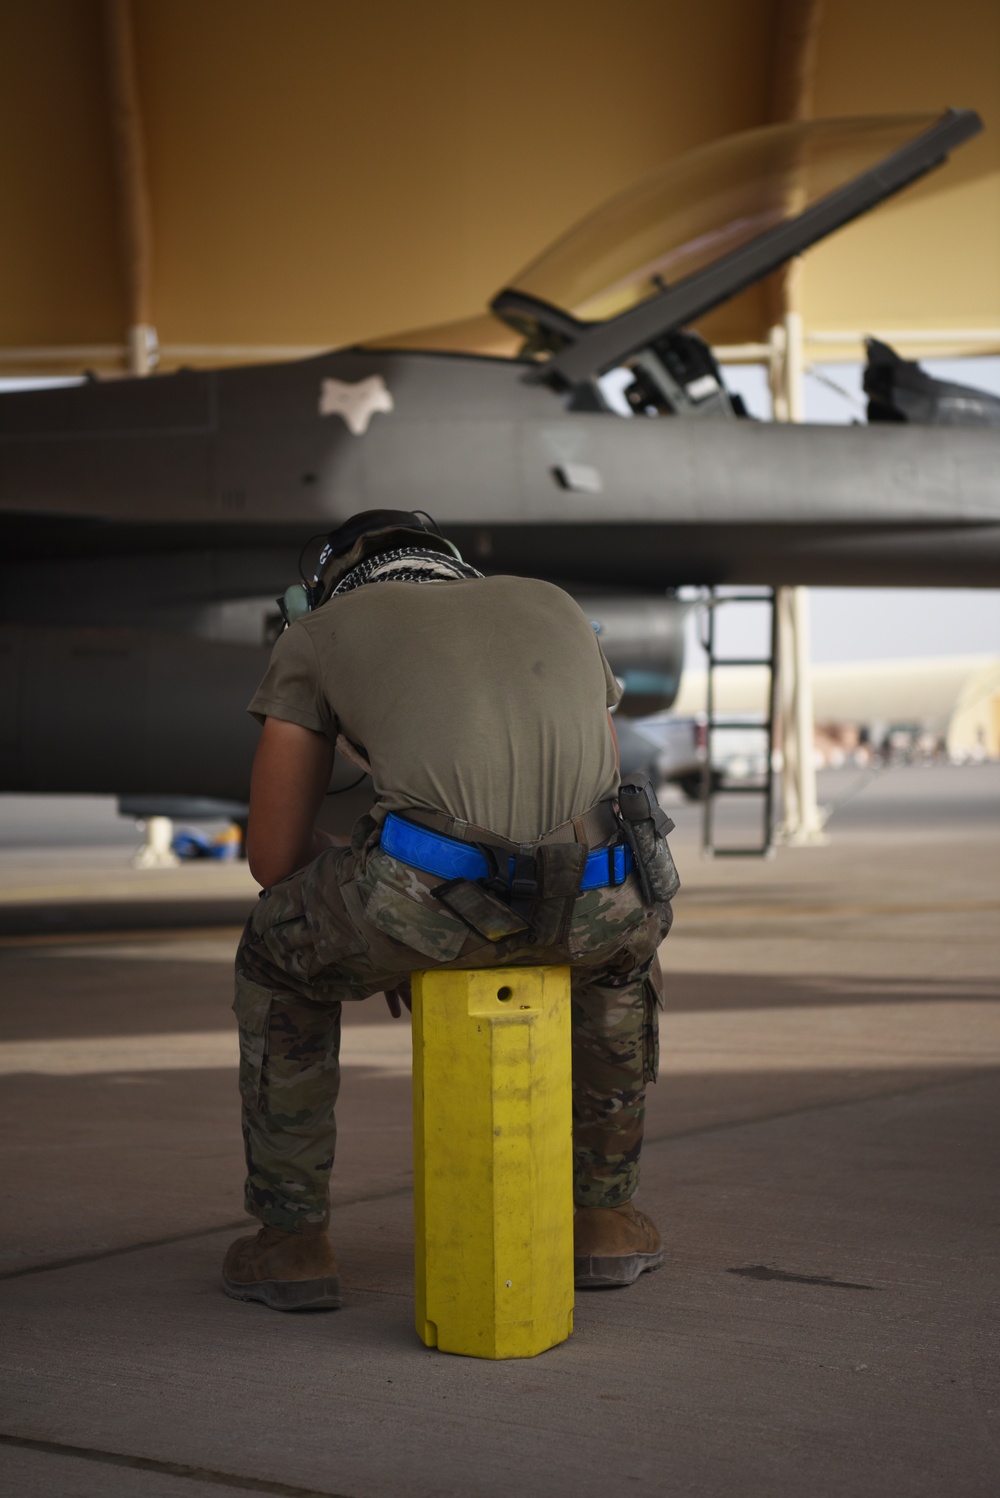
[(483, 912), (399, 901), (645, 826), (279, 924), (558, 869)]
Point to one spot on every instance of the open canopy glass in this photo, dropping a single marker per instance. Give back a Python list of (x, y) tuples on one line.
[(698, 230), (703, 205)]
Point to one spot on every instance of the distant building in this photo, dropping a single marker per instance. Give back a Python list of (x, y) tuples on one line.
[(949, 701)]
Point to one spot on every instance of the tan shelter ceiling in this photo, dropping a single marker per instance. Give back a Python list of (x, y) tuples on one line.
[(320, 172)]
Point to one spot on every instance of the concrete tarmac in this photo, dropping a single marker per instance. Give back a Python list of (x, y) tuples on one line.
[(822, 1155)]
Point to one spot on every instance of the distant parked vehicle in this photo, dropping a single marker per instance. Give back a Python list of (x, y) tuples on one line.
[(638, 752), (738, 753)]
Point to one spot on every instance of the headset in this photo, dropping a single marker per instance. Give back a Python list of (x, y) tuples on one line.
[(365, 533)]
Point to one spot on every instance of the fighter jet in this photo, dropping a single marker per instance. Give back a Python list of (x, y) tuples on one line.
[(579, 431)]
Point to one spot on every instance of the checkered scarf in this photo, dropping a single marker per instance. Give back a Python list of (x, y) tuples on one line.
[(410, 564)]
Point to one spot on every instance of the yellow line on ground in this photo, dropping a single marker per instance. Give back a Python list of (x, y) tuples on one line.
[(890, 1035), (44, 894), (106, 938), (382, 1047), (688, 915)]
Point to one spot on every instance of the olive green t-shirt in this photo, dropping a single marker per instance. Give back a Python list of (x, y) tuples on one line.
[(483, 698)]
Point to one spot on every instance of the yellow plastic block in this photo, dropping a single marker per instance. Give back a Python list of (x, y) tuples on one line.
[(493, 1161)]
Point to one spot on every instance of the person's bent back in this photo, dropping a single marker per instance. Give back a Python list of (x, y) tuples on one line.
[(474, 697)]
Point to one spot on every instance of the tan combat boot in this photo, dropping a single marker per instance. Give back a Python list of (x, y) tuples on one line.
[(286, 1271), (612, 1246)]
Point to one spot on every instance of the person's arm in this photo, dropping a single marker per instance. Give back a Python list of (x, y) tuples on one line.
[(291, 772)]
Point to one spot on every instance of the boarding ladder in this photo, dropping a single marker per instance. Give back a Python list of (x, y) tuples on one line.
[(714, 786)]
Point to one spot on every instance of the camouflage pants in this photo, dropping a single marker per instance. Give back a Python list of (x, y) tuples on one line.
[(355, 922)]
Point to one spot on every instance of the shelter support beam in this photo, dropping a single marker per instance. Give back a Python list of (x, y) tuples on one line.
[(135, 221), (848, 346), (801, 821), (798, 25)]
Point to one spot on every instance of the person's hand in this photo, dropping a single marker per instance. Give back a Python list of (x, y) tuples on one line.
[(394, 997)]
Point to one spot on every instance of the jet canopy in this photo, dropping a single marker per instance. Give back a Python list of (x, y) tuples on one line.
[(692, 211), (694, 233)]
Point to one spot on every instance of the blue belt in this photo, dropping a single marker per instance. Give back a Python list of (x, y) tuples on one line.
[(451, 859)]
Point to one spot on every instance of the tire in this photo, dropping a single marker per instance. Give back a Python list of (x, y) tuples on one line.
[(693, 786)]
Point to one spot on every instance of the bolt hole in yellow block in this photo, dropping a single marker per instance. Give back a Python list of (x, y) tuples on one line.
[(493, 1160)]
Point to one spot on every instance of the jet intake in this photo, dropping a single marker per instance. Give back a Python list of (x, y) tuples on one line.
[(643, 639), (126, 712)]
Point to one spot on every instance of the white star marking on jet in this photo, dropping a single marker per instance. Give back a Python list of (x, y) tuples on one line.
[(357, 404)]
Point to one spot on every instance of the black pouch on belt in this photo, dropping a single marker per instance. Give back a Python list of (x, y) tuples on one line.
[(645, 825), (487, 915), (560, 870), (545, 885)]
